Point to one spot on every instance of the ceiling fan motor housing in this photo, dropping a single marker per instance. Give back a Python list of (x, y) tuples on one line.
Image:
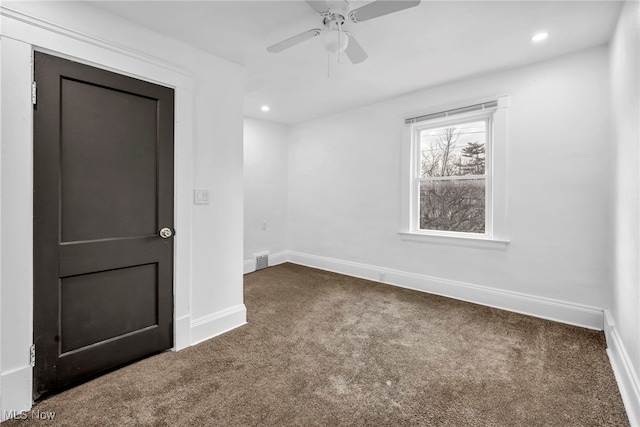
[(334, 22)]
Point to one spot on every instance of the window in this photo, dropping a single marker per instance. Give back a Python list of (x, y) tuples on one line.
[(455, 181), (452, 179)]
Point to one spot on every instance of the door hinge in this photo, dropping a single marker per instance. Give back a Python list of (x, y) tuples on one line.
[(32, 355), (34, 95)]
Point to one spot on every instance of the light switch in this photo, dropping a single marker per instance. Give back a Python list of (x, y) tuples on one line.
[(201, 197)]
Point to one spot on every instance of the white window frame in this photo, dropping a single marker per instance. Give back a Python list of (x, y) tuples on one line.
[(495, 235)]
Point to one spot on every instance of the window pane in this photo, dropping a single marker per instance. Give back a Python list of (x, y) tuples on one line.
[(452, 205), (453, 150)]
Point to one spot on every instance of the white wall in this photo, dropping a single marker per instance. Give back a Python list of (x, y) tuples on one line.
[(625, 307), (217, 227), (344, 186), (265, 189), (209, 91)]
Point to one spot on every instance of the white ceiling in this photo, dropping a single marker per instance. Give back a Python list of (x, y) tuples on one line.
[(433, 43)]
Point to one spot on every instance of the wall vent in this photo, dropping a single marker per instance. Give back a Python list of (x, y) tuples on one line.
[(262, 261)]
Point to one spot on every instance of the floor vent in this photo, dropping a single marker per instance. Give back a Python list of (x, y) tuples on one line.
[(262, 261)]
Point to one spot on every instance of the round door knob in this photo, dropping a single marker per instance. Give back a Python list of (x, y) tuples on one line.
[(165, 233)]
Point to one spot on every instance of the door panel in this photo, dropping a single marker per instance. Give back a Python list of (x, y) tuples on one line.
[(99, 306), (103, 187), (93, 149)]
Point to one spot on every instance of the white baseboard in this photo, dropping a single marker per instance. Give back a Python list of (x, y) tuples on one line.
[(277, 258), (182, 333), (17, 388), (626, 376), (249, 266), (546, 308), (218, 323), (274, 259)]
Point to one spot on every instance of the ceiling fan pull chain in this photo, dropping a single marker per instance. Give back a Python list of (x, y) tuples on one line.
[(339, 39)]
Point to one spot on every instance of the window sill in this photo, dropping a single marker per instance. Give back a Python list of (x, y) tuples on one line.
[(465, 241)]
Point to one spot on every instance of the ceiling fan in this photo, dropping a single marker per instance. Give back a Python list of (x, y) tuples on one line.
[(333, 18)]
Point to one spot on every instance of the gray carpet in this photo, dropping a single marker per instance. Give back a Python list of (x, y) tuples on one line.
[(325, 349)]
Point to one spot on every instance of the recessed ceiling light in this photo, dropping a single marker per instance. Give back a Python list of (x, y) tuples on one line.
[(540, 36), (265, 108)]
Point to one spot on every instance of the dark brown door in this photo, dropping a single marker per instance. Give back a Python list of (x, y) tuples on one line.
[(103, 190)]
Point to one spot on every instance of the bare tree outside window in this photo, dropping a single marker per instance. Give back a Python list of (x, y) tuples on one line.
[(453, 179)]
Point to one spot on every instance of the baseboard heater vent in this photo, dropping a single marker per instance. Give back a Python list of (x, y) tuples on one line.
[(262, 261)]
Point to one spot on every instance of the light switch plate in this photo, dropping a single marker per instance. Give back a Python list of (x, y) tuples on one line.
[(201, 197)]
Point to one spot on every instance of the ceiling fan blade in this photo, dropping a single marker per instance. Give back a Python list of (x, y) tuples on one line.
[(380, 8), (292, 41), (320, 6), (354, 51)]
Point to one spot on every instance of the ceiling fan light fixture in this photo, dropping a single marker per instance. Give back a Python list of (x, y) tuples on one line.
[(538, 37), (336, 41)]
